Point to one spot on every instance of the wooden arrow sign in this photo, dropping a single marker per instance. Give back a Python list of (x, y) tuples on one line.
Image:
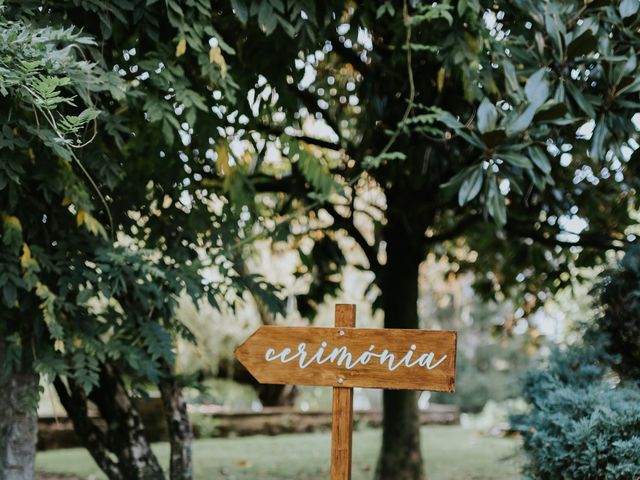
[(352, 357)]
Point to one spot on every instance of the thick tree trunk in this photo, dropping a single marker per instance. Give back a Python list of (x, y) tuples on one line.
[(18, 425), (125, 434), (400, 456), (74, 401), (122, 450), (179, 428)]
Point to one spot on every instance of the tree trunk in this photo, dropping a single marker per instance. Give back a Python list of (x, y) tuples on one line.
[(179, 428), (121, 450), (74, 401), (18, 425), (125, 434), (400, 457)]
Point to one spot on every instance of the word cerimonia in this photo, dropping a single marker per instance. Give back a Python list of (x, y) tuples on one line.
[(342, 356)]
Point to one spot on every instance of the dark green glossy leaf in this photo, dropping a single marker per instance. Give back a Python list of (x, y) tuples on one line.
[(487, 116), (539, 158)]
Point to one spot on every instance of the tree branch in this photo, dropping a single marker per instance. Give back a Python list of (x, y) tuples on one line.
[(270, 129), (348, 225), (586, 240)]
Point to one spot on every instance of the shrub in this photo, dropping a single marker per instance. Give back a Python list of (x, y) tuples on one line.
[(580, 426), (584, 420), (619, 321)]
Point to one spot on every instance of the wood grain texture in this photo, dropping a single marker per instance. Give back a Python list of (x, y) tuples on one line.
[(342, 410), (357, 340)]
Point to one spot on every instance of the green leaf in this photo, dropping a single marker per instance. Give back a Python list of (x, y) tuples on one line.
[(240, 9), (487, 116), (551, 111), (537, 88), (600, 133), (554, 25), (471, 186), (496, 205), (580, 99), (12, 232), (522, 121), (510, 76), (539, 158), (460, 177), (9, 293), (516, 159), (628, 8), (450, 121)]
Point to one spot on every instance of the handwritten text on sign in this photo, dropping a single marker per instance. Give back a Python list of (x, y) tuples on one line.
[(352, 357)]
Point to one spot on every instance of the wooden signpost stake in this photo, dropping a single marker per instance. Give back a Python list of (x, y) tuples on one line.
[(345, 357), (342, 410)]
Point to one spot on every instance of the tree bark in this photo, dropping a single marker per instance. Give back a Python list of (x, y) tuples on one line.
[(121, 450), (74, 401), (400, 457), (179, 428), (126, 436), (18, 425)]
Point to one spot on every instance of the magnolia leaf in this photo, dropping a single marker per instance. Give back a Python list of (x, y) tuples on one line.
[(551, 111), (450, 121), (496, 205), (470, 187), (516, 159), (600, 133), (539, 158), (628, 8), (522, 121), (537, 88), (511, 79), (487, 116), (581, 100)]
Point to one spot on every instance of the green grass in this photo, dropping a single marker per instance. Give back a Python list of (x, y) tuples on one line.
[(450, 453)]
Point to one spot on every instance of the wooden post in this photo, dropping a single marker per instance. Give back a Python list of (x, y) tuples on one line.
[(342, 410)]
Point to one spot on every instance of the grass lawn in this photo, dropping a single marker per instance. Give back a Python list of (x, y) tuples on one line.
[(450, 453)]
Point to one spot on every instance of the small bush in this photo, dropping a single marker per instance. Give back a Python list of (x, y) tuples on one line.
[(580, 426), (584, 421)]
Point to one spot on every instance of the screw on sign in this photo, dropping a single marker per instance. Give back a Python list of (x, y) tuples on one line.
[(344, 357)]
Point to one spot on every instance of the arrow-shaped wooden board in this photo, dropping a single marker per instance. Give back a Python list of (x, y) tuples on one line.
[(352, 357)]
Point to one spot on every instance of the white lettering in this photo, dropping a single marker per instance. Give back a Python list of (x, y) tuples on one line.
[(342, 356)]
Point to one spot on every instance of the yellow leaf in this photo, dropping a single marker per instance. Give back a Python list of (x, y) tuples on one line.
[(215, 56), (181, 48), (58, 345), (25, 258), (77, 343), (223, 159), (11, 222), (66, 201), (90, 223), (440, 81)]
